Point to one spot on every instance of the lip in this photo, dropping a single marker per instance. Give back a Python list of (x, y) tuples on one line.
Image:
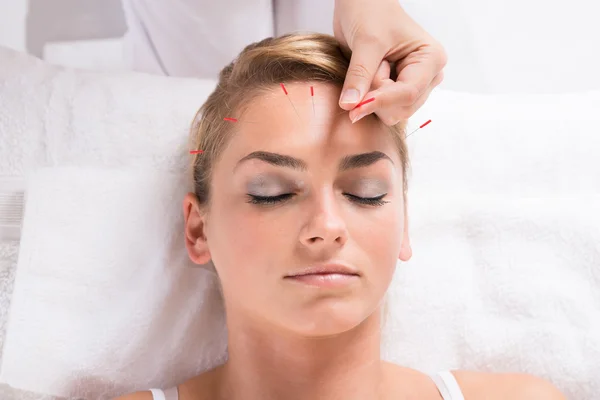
[(327, 276), (325, 269)]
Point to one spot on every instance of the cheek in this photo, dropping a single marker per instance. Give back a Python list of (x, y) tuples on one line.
[(383, 229), (380, 237), (243, 242)]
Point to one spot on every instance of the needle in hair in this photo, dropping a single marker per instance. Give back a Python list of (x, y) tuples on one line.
[(425, 124), (196, 152), (286, 93), (312, 95), (230, 119)]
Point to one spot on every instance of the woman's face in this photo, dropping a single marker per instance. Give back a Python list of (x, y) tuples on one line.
[(298, 188)]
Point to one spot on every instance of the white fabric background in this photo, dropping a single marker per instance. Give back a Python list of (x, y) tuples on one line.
[(530, 46)]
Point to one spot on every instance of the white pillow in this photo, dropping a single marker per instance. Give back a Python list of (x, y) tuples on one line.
[(106, 300)]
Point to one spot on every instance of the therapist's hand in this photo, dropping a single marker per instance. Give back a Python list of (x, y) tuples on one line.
[(393, 59)]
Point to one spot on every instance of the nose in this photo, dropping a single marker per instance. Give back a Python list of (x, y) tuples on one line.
[(326, 229)]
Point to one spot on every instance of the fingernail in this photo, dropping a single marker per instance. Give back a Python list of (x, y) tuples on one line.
[(350, 96), (358, 118)]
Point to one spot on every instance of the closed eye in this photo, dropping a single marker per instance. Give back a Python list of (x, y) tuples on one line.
[(370, 201), (254, 199), (268, 200)]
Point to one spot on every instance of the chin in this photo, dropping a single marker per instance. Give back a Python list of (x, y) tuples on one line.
[(327, 319)]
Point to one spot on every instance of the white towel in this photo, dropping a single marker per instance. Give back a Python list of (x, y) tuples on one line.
[(120, 142), (124, 309), (18, 139), (504, 211)]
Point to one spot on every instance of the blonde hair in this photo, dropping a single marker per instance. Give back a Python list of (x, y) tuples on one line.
[(295, 57)]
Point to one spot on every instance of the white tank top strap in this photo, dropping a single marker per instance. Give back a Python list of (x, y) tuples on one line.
[(169, 394), (447, 386)]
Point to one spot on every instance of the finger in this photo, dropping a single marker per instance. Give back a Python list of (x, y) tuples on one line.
[(364, 63), (438, 79), (387, 104), (371, 103), (392, 115), (382, 75), (419, 74), (389, 94), (391, 103)]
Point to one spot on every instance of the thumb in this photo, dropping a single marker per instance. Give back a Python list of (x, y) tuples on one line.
[(364, 62)]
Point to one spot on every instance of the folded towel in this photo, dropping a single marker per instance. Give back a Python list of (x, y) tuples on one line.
[(12, 197), (104, 274), (126, 308), (18, 138)]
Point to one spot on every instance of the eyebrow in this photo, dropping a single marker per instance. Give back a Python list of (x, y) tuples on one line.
[(348, 162)]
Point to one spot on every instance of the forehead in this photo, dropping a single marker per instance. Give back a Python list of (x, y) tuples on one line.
[(304, 118)]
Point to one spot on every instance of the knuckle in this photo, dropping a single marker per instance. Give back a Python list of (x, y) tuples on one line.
[(369, 38), (439, 78), (443, 57), (411, 110), (359, 71), (412, 94), (404, 113), (382, 102), (390, 120)]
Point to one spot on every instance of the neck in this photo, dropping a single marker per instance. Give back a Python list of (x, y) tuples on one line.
[(268, 364)]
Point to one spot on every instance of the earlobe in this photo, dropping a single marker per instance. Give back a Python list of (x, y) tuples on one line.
[(194, 231), (405, 252), (405, 249)]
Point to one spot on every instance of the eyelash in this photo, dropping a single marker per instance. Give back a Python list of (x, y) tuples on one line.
[(267, 200)]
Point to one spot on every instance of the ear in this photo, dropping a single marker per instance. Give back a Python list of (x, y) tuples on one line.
[(195, 238), (405, 249)]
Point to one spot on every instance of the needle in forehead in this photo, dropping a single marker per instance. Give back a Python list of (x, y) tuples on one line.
[(312, 96), (286, 93)]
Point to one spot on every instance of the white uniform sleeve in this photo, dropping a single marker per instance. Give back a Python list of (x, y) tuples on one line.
[(192, 38), (303, 15)]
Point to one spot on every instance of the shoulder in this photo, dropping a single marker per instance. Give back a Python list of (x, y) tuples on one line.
[(421, 385), (146, 395), (201, 387), (505, 386)]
